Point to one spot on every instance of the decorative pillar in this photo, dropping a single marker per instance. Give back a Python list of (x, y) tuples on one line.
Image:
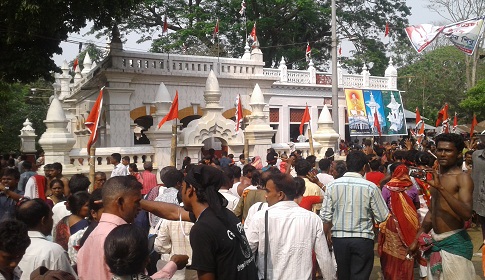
[(283, 71), (391, 75), (87, 63), (27, 138), (313, 73), (57, 141), (118, 130), (258, 132), (64, 80), (365, 76), (325, 134), (161, 138)]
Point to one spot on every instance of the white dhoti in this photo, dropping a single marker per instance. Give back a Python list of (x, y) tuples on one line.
[(454, 266)]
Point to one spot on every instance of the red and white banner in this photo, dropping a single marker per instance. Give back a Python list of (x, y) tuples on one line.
[(465, 34), (422, 35)]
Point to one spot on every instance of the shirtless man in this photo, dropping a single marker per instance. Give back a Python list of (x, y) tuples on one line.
[(451, 206), (56, 173)]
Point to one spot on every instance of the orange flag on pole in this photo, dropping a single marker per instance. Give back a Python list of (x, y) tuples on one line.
[(474, 123), (174, 111), (305, 119), (93, 120)]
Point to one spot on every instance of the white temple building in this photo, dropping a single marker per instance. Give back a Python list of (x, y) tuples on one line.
[(140, 87)]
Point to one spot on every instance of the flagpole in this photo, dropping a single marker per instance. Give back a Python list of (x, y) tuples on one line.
[(92, 166), (310, 139), (173, 145)]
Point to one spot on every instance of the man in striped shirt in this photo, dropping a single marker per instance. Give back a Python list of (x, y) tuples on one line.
[(351, 207)]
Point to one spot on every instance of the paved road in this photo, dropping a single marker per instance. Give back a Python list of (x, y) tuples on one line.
[(476, 235)]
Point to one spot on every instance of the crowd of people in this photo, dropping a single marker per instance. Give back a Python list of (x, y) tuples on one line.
[(289, 217)]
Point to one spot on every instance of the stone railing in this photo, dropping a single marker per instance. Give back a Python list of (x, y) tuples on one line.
[(139, 154), (298, 77)]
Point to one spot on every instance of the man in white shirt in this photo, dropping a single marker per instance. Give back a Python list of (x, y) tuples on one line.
[(37, 215), (120, 169), (323, 176), (289, 254), (232, 200)]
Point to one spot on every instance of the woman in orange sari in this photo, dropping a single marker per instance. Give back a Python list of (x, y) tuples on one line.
[(400, 229)]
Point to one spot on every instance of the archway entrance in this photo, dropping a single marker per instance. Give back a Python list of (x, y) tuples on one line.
[(218, 144)]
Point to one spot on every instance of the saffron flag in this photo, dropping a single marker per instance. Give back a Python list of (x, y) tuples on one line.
[(165, 25), (386, 33), (422, 35), (377, 124), (92, 120), (253, 35), (239, 113), (418, 119), (216, 30), (305, 119), (308, 52), (465, 34), (474, 123), (443, 119), (75, 64), (455, 124), (243, 8), (173, 113)]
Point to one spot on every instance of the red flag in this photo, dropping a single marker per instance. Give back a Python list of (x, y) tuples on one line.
[(340, 51), (442, 114), (418, 118), (239, 113), (75, 64), (165, 25), (386, 33), (93, 119), (253, 33), (377, 124), (474, 123), (305, 119), (216, 30), (455, 123), (173, 113), (308, 52)]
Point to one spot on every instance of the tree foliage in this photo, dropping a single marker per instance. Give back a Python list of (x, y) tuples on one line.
[(20, 103), (283, 27), (31, 32), (435, 78), (475, 99)]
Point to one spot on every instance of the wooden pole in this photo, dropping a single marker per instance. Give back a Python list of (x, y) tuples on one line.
[(310, 139), (92, 166), (173, 146)]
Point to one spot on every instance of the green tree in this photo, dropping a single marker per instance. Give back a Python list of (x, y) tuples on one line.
[(475, 98), (19, 103), (31, 31), (436, 78), (283, 28)]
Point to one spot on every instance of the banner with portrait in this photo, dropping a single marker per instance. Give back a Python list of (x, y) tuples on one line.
[(361, 106)]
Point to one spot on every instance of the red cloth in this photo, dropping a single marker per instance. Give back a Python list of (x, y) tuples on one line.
[(375, 177), (308, 201), (41, 183), (149, 181), (174, 111)]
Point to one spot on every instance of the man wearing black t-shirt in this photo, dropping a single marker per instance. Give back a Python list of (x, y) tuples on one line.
[(220, 248)]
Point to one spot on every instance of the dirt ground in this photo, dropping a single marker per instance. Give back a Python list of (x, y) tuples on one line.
[(475, 234)]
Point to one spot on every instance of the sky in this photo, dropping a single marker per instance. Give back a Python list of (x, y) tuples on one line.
[(420, 14)]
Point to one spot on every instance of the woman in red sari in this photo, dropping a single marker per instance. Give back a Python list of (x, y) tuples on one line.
[(400, 229)]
